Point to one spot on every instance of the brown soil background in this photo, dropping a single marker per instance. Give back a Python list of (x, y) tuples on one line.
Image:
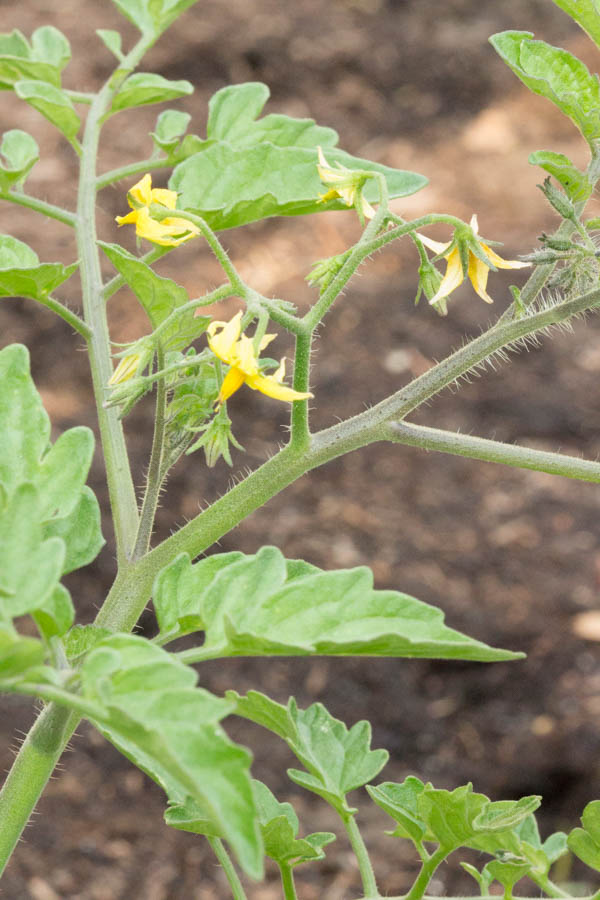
[(511, 557)]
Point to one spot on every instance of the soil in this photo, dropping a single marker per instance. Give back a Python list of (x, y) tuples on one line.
[(511, 557)]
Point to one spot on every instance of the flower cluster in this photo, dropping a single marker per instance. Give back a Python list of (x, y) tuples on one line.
[(169, 232)]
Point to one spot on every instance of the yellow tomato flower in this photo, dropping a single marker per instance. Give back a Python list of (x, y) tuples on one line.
[(168, 233), (238, 352), (477, 270), (344, 183), (126, 369)]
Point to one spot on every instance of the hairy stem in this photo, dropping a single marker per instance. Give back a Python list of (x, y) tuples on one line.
[(156, 473), (362, 856), (46, 209), (68, 315), (137, 168), (426, 874), (232, 876)]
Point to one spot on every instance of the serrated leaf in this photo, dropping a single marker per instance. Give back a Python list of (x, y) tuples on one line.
[(57, 614), (586, 13), (21, 152), (450, 814), (279, 828), (18, 654), (81, 531), (585, 842), (555, 74), (52, 103), (233, 117), (159, 297), (508, 872), (250, 608), (401, 802), (231, 186), (170, 127), (152, 16), (112, 40), (259, 708), (158, 718), (338, 759), (144, 88), (576, 184), (503, 815)]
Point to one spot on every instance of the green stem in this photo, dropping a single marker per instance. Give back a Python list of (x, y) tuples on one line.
[(494, 451), (208, 300), (46, 209), (548, 886), (30, 772), (300, 428), (232, 876), (364, 863), (160, 212), (65, 313), (80, 97), (137, 168), (156, 473), (287, 882), (111, 287), (426, 874)]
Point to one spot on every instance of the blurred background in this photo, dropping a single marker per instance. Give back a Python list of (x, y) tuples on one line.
[(511, 557)]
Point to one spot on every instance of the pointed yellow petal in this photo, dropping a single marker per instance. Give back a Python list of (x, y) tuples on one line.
[(165, 197), (266, 384), (478, 273), (279, 373), (142, 191), (453, 277), (223, 344), (503, 263), (474, 224), (245, 357), (126, 369), (367, 209), (267, 338), (436, 246), (129, 219), (231, 383)]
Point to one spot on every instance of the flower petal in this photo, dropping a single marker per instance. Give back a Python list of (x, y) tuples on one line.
[(245, 357), (129, 219), (126, 369), (142, 191), (474, 224), (223, 344), (453, 277), (231, 383), (436, 246), (267, 384), (165, 197), (478, 274), (503, 263)]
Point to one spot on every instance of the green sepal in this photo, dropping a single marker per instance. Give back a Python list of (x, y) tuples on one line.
[(20, 152), (112, 40), (144, 88), (22, 274), (159, 297), (231, 186), (279, 828), (585, 842), (52, 103), (152, 17), (154, 713), (42, 60), (555, 74), (575, 183), (249, 608)]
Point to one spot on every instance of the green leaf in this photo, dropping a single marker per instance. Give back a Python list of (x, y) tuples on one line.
[(259, 708), (159, 297), (555, 74), (112, 40), (30, 565), (43, 60), (230, 186), (152, 16), (401, 802), (522, 840), (575, 183), (450, 815), (82, 638), (57, 614), (170, 127), (250, 608), (233, 112), (52, 103), (144, 88), (279, 827), (81, 531), (585, 842), (22, 274), (21, 152), (508, 872), (18, 654), (189, 816), (24, 424), (586, 13), (503, 815), (157, 717)]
